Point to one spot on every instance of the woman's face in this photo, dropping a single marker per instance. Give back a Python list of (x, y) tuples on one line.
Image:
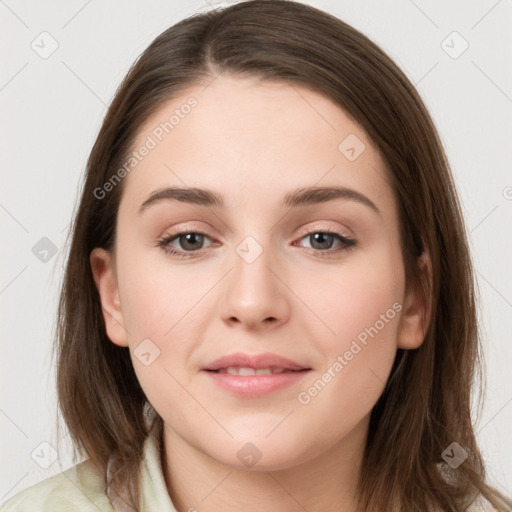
[(297, 257)]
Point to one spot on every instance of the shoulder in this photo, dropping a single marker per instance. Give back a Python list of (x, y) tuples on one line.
[(79, 488)]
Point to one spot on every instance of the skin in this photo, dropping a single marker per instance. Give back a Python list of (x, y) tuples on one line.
[(254, 141)]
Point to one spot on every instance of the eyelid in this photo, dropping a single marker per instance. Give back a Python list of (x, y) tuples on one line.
[(185, 229), (341, 230)]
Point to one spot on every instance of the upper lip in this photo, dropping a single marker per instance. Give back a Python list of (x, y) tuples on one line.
[(257, 361)]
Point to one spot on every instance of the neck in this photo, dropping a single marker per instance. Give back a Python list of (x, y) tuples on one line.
[(196, 481)]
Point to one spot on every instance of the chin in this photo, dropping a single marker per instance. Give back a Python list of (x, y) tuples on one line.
[(264, 454)]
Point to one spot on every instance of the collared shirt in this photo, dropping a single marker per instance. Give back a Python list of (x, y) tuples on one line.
[(82, 488)]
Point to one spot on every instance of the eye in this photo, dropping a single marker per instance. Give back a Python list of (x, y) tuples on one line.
[(190, 242), (321, 241)]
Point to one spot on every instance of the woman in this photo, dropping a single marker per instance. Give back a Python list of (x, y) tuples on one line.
[(316, 349)]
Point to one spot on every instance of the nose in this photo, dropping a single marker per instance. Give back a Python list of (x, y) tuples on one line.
[(254, 294)]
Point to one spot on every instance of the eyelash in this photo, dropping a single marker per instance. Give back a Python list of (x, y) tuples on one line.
[(163, 243)]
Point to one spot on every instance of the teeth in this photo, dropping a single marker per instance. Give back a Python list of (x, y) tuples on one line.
[(235, 370), (241, 371)]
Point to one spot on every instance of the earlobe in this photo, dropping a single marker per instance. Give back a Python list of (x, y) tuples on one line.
[(416, 310), (103, 271)]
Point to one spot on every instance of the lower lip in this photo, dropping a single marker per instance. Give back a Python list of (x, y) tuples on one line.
[(255, 385)]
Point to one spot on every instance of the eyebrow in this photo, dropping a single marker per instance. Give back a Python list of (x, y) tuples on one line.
[(298, 198)]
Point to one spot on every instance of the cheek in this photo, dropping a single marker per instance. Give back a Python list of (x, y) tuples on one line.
[(164, 310), (361, 308), (356, 297), (156, 299)]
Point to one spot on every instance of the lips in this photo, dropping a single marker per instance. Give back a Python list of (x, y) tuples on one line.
[(254, 376), (259, 364)]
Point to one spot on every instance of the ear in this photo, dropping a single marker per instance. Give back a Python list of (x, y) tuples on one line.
[(416, 313), (104, 274)]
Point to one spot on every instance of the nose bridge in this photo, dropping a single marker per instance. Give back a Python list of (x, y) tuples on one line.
[(254, 293), (252, 263)]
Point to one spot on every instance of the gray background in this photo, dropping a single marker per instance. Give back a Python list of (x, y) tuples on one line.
[(51, 111)]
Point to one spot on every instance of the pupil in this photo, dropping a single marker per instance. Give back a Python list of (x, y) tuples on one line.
[(327, 238), (190, 242)]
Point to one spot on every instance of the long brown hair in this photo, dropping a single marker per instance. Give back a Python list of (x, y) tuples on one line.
[(426, 404)]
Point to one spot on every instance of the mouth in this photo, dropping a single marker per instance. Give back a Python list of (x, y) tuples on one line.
[(251, 376), (248, 371)]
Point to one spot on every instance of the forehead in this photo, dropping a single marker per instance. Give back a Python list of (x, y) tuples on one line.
[(254, 139)]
